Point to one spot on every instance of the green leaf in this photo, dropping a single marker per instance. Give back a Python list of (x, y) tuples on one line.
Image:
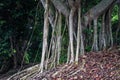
[(115, 18), (14, 51), (26, 57)]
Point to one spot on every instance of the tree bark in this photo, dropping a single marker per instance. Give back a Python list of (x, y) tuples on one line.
[(109, 37), (45, 35), (118, 29), (78, 35), (103, 32), (61, 7), (68, 53), (80, 45), (97, 10), (52, 42), (95, 40), (51, 14), (110, 28), (59, 37), (71, 33)]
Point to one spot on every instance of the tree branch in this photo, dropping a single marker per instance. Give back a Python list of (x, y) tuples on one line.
[(61, 7), (51, 14), (97, 10)]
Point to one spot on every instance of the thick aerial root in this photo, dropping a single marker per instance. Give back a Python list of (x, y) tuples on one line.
[(25, 73)]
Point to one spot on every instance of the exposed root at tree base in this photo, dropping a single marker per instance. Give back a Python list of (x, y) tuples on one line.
[(103, 65)]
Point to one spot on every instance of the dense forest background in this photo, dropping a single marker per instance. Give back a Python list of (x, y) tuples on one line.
[(21, 32), (21, 26)]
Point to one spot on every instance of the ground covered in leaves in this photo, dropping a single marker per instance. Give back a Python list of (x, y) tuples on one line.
[(103, 65)]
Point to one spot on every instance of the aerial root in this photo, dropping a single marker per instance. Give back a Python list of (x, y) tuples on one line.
[(59, 71)]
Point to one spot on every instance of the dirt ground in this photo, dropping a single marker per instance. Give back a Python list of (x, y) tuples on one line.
[(102, 65)]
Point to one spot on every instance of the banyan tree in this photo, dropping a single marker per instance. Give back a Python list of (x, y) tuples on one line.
[(67, 17), (65, 22)]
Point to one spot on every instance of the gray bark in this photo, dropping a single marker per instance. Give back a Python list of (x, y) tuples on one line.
[(59, 37), (45, 36), (79, 36), (110, 29), (109, 37), (118, 29), (97, 10), (61, 7), (68, 53), (95, 40), (51, 14), (71, 33), (103, 33)]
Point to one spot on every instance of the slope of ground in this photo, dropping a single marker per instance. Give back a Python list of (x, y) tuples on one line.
[(103, 65)]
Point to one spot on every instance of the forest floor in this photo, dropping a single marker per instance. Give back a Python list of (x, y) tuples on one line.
[(102, 65), (6, 75)]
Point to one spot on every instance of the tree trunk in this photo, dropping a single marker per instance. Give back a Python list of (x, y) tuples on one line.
[(68, 53), (118, 29), (71, 33), (109, 37), (80, 45), (45, 35), (95, 40), (59, 37), (97, 10), (102, 41), (52, 42), (110, 28), (78, 34), (61, 7)]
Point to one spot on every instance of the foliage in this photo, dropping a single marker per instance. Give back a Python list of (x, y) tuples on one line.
[(23, 21), (18, 20)]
